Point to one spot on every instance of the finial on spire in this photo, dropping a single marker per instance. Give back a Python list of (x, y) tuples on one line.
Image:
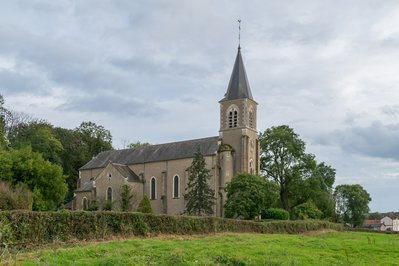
[(239, 34)]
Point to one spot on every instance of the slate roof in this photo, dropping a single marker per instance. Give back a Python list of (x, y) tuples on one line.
[(155, 153), (238, 86), (125, 171), (88, 186)]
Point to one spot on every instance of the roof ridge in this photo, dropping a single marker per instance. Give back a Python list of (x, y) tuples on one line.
[(166, 143)]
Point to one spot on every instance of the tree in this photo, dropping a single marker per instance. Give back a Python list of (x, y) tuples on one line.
[(352, 203), (96, 137), (300, 177), (126, 198), (3, 141), (145, 205), (40, 136), (138, 145), (43, 178), (282, 159), (200, 196), (74, 155), (248, 196)]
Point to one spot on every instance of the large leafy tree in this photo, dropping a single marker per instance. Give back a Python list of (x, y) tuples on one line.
[(200, 196), (283, 159), (352, 203), (42, 177), (249, 195), (74, 155), (40, 136), (299, 176), (96, 137)]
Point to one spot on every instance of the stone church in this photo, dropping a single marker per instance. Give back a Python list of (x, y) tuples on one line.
[(160, 171)]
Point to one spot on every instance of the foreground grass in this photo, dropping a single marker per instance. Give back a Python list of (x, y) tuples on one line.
[(332, 248)]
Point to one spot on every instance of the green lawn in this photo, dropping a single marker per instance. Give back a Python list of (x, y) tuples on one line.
[(331, 248)]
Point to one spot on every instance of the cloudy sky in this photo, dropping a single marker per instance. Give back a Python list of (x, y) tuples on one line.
[(154, 71)]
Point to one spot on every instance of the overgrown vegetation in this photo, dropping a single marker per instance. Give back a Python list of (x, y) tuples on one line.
[(15, 198), (26, 228)]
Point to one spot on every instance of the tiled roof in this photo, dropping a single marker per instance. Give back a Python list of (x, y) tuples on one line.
[(154, 153), (371, 222), (125, 171), (88, 186)]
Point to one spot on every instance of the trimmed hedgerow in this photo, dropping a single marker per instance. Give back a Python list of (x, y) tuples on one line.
[(26, 228)]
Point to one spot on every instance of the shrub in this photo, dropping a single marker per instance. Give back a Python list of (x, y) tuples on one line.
[(307, 210), (107, 206), (93, 206), (145, 205), (275, 214), (126, 198), (15, 198), (248, 196)]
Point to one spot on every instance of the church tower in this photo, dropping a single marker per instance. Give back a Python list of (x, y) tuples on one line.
[(238, 136)]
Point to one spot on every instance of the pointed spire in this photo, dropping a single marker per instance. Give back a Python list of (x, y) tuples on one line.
[(238, 86)]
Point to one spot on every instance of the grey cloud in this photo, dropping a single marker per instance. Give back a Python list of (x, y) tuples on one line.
[(117, 106), (390, 110), (12, 83), (375, 140)]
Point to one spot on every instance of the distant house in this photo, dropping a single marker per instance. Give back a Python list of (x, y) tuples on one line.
[(385, 224), (374, 225), (387, 221), (395, 224)]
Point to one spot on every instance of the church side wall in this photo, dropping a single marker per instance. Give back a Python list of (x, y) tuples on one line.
[(154, 169), (164, 172)]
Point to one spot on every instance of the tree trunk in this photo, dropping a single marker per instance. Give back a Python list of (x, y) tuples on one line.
[(284, 198)]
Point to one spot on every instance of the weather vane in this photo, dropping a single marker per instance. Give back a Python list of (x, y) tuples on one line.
[(239, 34)]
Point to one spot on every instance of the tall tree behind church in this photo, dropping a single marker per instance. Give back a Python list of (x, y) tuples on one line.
[(200, 196)]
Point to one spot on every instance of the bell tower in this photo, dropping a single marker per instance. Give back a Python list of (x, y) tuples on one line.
[(238, 133)]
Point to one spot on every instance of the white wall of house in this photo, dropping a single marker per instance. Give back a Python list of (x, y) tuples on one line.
[(387, 222)]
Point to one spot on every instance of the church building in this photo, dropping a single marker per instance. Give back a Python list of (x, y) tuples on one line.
[(160, 171)]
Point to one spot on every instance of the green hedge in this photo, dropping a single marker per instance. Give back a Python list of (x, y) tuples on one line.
[(26, 228)]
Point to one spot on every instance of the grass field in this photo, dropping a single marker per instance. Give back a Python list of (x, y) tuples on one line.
[(323, 248)]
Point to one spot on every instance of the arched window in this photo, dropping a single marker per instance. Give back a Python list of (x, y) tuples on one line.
[(176, 186), (233, 117), (85, 205), (251, 119), (153, 188), (109, 194)]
